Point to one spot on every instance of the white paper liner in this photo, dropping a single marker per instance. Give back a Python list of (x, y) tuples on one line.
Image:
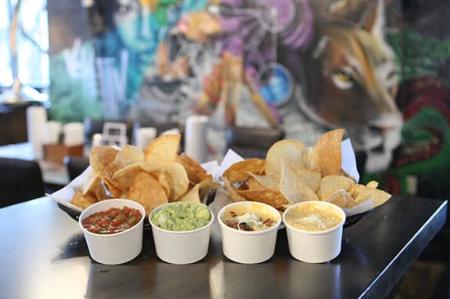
[(64, 195)]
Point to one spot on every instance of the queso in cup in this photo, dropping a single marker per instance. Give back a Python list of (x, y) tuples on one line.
[(113, 230), (181, 231), (249, 231), (314, 230)]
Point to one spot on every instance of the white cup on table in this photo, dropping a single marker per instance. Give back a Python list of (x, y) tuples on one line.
[(36, 120), (73, 134), (195, 137), (143, 136), (52, 131), (116, 248), (315, 246)]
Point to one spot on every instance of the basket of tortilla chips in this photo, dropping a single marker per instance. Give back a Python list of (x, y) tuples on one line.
[(151, 177), (292, 172)]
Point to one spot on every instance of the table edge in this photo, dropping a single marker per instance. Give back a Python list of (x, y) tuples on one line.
[(370, 291)]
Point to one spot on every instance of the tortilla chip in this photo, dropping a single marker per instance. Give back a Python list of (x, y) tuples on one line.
[(164, 180), (240, 171), (123, 178), (163, 149), (341, 198), (231, 191), (372, 184), (284, 152), (92, 185), (176, 174), (253, 184), (194, 170), (112, 187), (129, 155), (332, 184), (293, 187), (194, 195), (266, 181), (326, 153), (362, 193), (270, 197), (82, 201), (101, 157), (312, 178), (147, 191)]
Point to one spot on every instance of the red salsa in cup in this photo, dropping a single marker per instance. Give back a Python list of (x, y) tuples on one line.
[(114, 220)]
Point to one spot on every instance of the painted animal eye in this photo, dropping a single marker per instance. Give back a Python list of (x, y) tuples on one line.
[(342, 80), (392, 78)]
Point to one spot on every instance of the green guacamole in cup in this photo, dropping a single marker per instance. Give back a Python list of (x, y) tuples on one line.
[(181, 216)]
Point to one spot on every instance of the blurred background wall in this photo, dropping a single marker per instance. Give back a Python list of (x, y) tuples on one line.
[(381, 69)]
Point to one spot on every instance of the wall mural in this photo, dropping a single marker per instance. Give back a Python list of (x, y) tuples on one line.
[(302, 65)]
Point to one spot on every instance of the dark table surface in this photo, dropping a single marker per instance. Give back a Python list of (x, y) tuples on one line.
[(44, 255)]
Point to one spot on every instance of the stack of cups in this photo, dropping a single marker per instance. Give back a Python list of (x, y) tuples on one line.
[(36, 120), (195, 138), (73, 134)]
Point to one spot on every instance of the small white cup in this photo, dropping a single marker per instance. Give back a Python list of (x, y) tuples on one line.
[(73, 134), (143, 136), (119, 248), (181, 247), (249, 247), (315, 246)]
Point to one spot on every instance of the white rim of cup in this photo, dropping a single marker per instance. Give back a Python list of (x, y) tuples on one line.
[(85, 212), (320, 232), (258, 232), (179, 231)]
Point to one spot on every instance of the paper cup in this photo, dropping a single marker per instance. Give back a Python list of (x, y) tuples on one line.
[(143, 136), (315, 246), (114, 249), (249, 247), (181, 247)]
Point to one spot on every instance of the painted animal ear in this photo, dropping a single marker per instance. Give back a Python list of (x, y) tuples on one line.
[(374, 19)]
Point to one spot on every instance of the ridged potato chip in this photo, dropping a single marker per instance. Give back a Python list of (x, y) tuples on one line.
[(163, 149), (147, 191)]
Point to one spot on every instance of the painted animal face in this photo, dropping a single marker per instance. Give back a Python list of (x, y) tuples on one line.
[(350, 80)]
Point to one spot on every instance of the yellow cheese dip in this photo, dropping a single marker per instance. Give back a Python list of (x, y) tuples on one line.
[(313, 217)]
